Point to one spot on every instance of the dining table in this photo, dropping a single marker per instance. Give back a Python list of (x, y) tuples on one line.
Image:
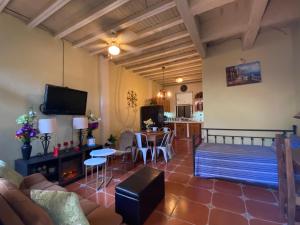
[(154, 137)]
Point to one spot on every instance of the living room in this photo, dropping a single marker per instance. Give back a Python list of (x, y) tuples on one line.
[(45, 43)]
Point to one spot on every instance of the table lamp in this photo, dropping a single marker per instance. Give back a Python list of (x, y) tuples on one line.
[(297, 116), (46, 127), (80, 123)]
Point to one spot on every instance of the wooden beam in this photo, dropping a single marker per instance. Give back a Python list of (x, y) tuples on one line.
[(57, 5), (140, 49), (161, 62), (152, 44), (202, 6), (148, 32), (178, 76), (97, 14), (157, 68), (3, 4), (127, 22), (257, 11), (182, 68), (176, 73), (188, 82), (191, 25), (155, 54)]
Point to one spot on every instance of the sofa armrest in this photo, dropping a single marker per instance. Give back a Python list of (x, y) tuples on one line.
[(31, 180)]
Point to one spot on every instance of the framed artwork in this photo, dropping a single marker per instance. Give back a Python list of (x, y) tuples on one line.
[(247, 73)]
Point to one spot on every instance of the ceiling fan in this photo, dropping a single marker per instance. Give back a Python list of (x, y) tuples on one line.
[(115, 42)]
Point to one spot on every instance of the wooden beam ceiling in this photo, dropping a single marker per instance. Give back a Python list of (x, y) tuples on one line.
[(155, 54), (158, 68), (257, 11), (181, 68), (191, 25), (92, 17), (202, 6), (54, 7), (186, 76), (3, 4), (162, 62), (185, 82), (127, 22), (175, 73), (155, 43)]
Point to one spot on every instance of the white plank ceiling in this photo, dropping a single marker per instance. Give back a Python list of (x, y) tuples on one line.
[(155, 33)]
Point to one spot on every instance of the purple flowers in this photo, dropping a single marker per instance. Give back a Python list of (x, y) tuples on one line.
[(27, 132)]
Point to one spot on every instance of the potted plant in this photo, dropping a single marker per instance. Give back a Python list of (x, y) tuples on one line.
[(148, 124), (111, 141), (27, 132), (93, 125)]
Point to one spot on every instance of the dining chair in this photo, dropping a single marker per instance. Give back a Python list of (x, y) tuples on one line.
[(163, 147), (293, 190), (282, 180), (142, 146), (170, 144), (125, 146)]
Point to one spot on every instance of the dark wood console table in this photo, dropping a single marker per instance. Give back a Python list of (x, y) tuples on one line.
[(66, 168)]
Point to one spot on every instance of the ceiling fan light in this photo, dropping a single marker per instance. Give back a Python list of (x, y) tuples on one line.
[(114, 49), (179, 80), (169, 94)]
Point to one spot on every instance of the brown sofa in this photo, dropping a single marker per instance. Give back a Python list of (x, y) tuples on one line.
[(16, 207)]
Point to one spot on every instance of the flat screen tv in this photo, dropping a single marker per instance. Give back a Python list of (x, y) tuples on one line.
[(64, 101)]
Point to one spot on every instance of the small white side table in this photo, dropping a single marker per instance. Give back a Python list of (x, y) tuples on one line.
[(104, 153), (95, 162)]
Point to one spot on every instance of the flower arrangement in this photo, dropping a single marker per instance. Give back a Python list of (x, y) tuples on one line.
[(148, 123), (93, 123), (28, 130)]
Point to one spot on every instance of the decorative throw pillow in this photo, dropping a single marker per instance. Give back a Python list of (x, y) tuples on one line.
[(62, 207), (11, 175)]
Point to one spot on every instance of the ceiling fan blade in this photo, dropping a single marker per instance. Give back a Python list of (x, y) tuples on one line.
[(94, 46), (126, 36), (129, 48)]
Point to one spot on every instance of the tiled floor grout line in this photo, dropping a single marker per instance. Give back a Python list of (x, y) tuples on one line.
[(244, 201), (211, 204)]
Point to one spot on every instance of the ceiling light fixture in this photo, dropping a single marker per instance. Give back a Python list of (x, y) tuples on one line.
[(163, 93), (179, 80), (114, 49)]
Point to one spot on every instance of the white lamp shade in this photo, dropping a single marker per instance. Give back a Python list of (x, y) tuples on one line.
[(80, 123), (47, 126)]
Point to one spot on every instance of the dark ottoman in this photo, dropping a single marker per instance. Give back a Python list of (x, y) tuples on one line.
[(138, 195)]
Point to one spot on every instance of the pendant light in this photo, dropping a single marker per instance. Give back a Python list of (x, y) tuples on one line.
[(163, 93)]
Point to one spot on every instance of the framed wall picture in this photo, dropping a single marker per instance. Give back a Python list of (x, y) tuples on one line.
[(247, 73)]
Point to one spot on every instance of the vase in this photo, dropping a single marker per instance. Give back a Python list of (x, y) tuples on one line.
[(26, 150)]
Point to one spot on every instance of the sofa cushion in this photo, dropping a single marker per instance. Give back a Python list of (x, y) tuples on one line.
[(31, 180), (87, 205), (7, 214), (63, 207), (10, 174), (29, 212), (105, 216)]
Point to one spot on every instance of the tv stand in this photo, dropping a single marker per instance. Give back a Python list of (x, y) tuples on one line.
[(65, 169)]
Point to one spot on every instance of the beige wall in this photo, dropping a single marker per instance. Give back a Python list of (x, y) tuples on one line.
[(296, 58), (119, 116), (269, 104), (28, 60), (193, 87)]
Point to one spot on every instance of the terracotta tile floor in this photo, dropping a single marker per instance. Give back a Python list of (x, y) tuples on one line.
[(191, 200)]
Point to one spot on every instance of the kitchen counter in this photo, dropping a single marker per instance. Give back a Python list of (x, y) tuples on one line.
[(181, 121), (185, 129)]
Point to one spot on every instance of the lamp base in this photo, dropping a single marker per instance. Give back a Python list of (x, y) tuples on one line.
[(45, 142)]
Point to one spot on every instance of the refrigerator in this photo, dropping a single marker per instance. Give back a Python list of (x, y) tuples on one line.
[(155, 112)]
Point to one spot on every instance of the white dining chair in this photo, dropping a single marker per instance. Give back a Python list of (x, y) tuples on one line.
[(164, 147), (143, 148), (171, 150)]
